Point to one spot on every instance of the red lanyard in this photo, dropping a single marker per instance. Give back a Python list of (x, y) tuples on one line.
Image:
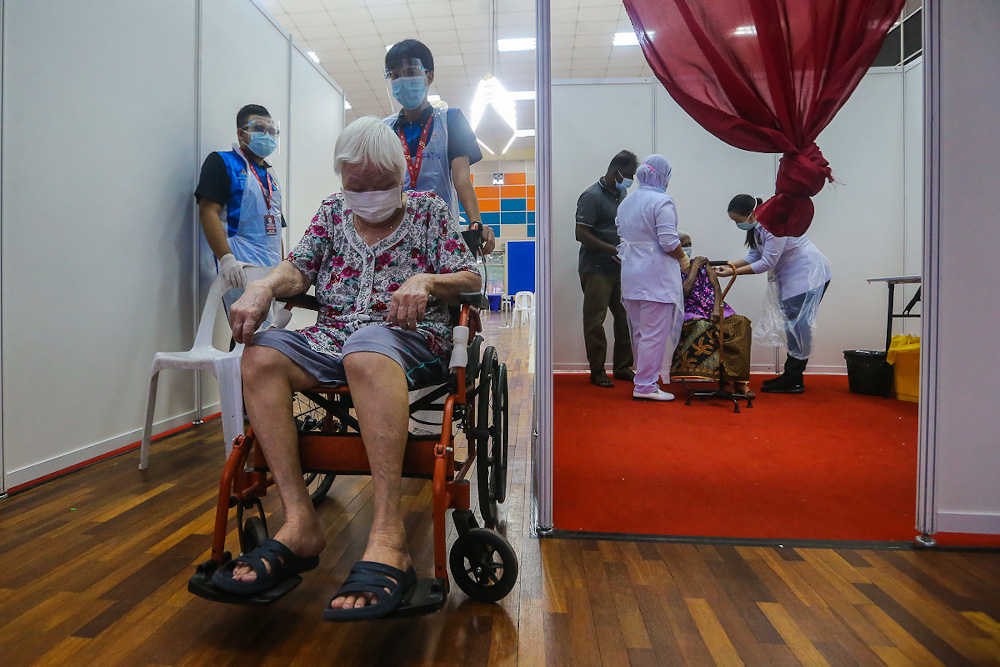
[(413, 163), (267, 192)]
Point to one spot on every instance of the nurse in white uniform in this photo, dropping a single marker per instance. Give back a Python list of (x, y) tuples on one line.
[(652, 260), (801, 275)]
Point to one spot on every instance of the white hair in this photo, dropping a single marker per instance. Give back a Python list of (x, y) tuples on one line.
[(369, 142)]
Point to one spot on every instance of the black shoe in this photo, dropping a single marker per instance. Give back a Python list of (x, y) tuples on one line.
[(628, 375), (791, 386), (770, 381), (790, 382)]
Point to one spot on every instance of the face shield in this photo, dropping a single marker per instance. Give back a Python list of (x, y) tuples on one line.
[(406, 84), (263, 136)]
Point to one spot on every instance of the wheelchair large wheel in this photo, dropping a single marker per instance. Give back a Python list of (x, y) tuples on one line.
[(483, 565), (491, 415), (310, 417), (254, 532), (318, 485), (500, 490)]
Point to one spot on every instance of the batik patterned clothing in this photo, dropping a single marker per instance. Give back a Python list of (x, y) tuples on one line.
[(699, 302), (355, 282), (697, 356)]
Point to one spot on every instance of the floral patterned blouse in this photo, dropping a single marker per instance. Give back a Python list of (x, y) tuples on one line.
[(354, 281), (698, 304)]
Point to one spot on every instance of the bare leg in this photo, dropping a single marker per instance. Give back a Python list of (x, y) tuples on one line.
[(269, 378), (379, 390)]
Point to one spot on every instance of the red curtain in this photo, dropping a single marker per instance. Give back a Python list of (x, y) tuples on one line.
[(766, 76)]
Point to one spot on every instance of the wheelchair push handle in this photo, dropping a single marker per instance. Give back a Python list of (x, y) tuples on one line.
[(474, 238)]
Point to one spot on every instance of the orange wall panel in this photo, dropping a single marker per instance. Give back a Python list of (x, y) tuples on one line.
[(489, 205), (516, 178), (531, 204), (531, 190), (488, 192), (512, 191)]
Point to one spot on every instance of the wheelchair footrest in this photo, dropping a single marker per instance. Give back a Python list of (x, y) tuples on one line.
[(201, 585), (426, 597)]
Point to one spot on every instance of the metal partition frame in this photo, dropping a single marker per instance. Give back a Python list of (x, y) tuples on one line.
[(541, 440)]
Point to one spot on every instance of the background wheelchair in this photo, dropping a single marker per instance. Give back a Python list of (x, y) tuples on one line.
[(472, 400)]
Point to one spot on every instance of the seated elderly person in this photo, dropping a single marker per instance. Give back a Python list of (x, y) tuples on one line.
[(385, 265), (697, 355)]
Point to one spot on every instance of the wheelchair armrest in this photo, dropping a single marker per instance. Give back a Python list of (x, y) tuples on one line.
[(307, 301), (477, 299)]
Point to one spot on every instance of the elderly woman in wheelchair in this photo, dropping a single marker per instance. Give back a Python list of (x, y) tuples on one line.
[(385, 265)]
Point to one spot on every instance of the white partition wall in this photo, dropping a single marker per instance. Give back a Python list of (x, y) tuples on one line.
[(867, 224), (593, 121), (98, 148), (960, 382), (317, 104), (101, 114), (707, 173)]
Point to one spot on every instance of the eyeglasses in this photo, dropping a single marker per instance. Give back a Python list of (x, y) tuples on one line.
[(402, 72), (261, 127)]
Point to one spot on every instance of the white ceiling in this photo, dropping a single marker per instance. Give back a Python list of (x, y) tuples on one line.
[(350, 37)]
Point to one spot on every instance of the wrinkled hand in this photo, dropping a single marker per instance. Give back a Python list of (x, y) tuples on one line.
[(409, 302), (724, 271), (249, 311), (685, 264), (698, 262), (232, 271)]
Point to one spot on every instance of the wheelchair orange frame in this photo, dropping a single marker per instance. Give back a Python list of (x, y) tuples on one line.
[(474, 556)]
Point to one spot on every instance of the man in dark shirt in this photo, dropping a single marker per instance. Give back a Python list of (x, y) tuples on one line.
[(600, 270), (440, 145)]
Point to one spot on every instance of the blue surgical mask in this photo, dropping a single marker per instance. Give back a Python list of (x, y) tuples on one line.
[(746, 226), (626, 182), (410, 91), (687, 251), (262, 144)]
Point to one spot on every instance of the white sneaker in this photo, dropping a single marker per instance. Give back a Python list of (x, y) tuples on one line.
[(658, 395)]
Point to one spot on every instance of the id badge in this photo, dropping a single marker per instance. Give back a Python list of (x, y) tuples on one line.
[(270, 225)]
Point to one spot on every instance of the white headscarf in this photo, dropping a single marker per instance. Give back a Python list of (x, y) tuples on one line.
[(654, 171)]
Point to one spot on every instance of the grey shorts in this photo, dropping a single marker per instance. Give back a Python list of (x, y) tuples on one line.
[(406, 348)]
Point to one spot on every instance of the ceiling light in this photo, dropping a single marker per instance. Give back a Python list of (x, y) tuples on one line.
[(505, 148), (522, 94), (525, 133), (625, 39), (488, 150), (388, 46), (433, 98), (347, 105), (491, 92), (746, 30), (518, 44), (312, 54)]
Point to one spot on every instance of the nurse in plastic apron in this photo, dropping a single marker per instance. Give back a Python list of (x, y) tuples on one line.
[(798, 275)]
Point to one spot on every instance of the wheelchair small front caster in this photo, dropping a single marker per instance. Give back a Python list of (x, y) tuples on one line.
[(483, 565)]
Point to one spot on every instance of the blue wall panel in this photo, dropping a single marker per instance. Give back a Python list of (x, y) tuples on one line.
[(520, 266)]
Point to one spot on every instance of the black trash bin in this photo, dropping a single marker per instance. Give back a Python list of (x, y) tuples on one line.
[(868, 373)]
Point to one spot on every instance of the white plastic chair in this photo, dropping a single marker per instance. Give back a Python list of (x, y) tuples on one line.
[(524, 308), (204, 356)]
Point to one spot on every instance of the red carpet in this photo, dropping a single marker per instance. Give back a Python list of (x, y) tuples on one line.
[(827, 464)]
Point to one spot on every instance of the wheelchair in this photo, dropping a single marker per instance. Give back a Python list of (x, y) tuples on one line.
[(473, 400)]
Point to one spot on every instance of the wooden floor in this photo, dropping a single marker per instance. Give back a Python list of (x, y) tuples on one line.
[(94, 568)]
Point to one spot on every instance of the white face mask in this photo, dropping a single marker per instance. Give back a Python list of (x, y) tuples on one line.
[(375, 206)]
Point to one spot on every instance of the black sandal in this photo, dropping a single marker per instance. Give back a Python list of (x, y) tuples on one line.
[(281, 559), (370, 577)]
